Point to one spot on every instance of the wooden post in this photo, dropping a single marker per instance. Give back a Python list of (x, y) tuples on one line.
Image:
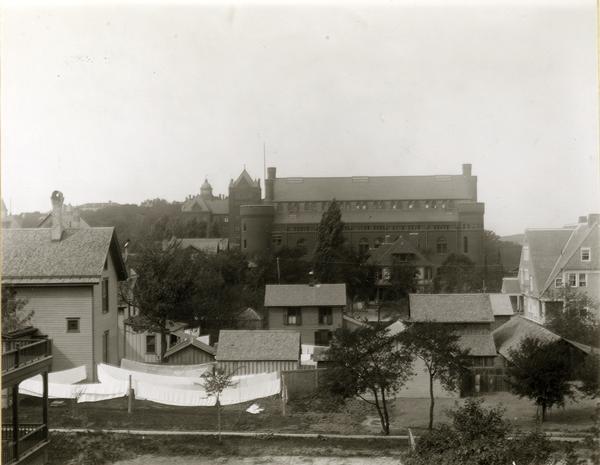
[(45, 403), (283, 395), (15, 421), (129, 397), (316, 379)]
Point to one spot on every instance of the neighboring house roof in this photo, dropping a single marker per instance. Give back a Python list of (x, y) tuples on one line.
[(187, 342), (244, 176), (508, 336), (511, 286), (385, 254), (249, 315), (304, 295), (451, 187), (451, 308), (545, 246), (373, 216), (70, 219), (258, 345), (30, 256), (209, 245), (501, 305), (479, 345), (218, 206)]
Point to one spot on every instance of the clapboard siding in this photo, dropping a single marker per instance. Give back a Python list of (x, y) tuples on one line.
[(249, 367), (135, 346), (276, 319), (189, 355), (52, 306), (107, 321)]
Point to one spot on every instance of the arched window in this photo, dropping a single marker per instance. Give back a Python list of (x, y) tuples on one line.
[(442, 245), (363, 245)]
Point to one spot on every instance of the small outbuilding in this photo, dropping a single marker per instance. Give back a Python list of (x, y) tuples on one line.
[(245, 352), (189, 351)]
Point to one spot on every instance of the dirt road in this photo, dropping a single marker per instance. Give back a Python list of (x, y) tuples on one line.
[(264, 460)]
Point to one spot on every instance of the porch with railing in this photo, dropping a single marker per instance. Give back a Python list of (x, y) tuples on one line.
[(22, 352), (18, 443)]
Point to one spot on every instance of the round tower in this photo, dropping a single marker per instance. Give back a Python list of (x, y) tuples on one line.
[(256, 225)]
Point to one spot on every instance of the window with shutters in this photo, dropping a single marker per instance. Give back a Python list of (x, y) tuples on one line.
[(293, 317), (325, 316)]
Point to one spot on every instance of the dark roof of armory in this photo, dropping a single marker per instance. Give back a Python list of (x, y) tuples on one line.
[(258, 345), (304, 295), (375, 188), (451, 308), (29, 256)]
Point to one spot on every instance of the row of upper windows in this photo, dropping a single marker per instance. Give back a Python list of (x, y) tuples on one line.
[(380, 227), (571, 280), (295, 207), (293, 316)]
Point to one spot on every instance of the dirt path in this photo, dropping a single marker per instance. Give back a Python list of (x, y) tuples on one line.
[(264, 460)]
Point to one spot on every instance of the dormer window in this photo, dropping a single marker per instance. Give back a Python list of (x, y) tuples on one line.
[(586, 254)]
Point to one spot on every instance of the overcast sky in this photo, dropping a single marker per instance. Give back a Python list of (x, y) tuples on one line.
[(124, 103)]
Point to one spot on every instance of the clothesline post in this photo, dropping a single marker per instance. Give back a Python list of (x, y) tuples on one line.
[(283, 395), (129, 396)]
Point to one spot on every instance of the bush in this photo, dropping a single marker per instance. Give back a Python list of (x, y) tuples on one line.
[(479, 436)]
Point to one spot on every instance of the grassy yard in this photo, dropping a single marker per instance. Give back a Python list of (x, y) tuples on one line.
[(307, 416), (97, 449)]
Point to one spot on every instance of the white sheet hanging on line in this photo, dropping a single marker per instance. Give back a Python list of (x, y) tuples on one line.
[(100, 391), (34, 387), (114, 373), (189, 371), (183, 396), (71, 376), (251, 388)]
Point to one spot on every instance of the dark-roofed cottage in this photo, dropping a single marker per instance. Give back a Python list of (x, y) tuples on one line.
[(315, 311), (189, 351), (69, 278), (246, 352)]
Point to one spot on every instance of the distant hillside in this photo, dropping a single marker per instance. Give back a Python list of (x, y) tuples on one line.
[(516, 238)]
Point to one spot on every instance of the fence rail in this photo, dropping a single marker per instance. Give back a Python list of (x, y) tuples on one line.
[(22, 352)]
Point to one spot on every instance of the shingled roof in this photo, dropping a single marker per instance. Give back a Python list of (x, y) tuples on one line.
[(451, 187), (479, 345), (304, 295), (258, 345), (30, 256), (508, 336), (451, 308), (190, 341)]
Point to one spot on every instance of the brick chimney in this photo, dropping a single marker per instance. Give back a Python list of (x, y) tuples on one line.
[(57, 200), (466, 169), (270, 183)]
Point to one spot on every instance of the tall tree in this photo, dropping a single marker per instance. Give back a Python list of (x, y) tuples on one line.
[(493, 270), (576, 318), (541, 371), (436, 345), (458, 273), (14, 314), (403, 280), (165, 289), (368, 361), (330, 244)]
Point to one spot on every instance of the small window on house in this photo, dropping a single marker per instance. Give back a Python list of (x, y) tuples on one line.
[(173, 339), (586, 254), (558, 282), (226, 219), (72, 325), (106, 264), (582, 280), (105, 347), (150, 344), (323, 337), (245, 245), (277, 240), (325, 316), (105, 295), (293, 317), (465, 244), (572, 280), (442, 245)]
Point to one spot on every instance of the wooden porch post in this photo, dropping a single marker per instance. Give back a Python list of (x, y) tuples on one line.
[(45, 403), (15, 420)]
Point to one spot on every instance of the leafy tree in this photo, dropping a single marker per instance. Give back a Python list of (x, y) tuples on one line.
[(436, 344), (588, 373), (575, 317), (368, 361), (458, 273), (493, 268), (403, 280), (330, 244), (165, 289), (541, 371), (479, 436), (14, 314), (215, 382)]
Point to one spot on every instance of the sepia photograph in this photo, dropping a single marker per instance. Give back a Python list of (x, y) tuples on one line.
[(316, 232)]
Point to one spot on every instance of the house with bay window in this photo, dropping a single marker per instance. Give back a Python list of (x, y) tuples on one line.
[(555, 259)]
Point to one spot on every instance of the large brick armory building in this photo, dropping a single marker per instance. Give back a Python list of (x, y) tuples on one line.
[(438, 214)]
